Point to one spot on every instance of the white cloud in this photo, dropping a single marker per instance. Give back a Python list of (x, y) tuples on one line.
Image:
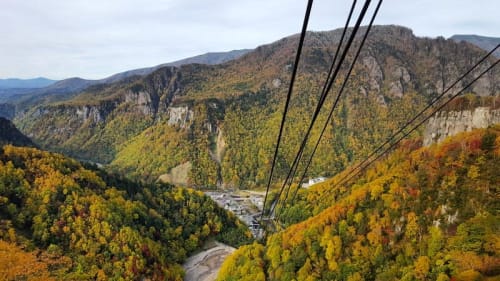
[(94, 39)]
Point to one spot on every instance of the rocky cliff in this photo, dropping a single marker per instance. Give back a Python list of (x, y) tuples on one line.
[(449, 123)]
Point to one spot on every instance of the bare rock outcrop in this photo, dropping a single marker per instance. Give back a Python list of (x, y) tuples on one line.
[(142, 101), (375, 72), (92, 113), (179, 116), (449, 123)]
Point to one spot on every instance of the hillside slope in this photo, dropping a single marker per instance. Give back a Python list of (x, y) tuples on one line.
[(223, 119), (89, 225), (426, 213), (9, 134)]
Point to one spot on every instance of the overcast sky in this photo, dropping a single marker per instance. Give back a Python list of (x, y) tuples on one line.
[(96, 38)]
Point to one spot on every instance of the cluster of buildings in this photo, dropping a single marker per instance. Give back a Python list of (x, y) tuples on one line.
[(247, 207)]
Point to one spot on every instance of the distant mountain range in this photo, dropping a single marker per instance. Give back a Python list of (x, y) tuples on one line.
[(483, 42), (12, 83), (208, 58), (25, 93)]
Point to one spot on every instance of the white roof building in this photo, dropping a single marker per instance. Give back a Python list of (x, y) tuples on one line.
[(313, 182)]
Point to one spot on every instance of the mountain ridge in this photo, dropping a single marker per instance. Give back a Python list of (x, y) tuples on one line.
[(66, 88), (17, 83), (197, 107), (483, 42), (209, 58)]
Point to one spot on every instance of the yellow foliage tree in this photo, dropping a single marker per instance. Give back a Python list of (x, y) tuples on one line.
[(15, 264)]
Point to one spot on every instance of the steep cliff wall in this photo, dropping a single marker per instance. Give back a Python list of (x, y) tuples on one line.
[(449, 123), (180, 116)]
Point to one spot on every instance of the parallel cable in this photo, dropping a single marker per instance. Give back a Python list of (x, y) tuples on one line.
[(320, 105), (346, 79), (322, 99), (328, 78), (420, 123), (287, 102), (393, 136)]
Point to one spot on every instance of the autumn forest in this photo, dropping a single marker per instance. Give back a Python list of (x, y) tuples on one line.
[(115, 179)]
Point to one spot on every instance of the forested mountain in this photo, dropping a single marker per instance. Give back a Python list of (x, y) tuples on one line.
[(423, 213), (220, 122), (60, 220)]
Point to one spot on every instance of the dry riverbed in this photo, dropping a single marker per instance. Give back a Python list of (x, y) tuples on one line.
[(205, 265)]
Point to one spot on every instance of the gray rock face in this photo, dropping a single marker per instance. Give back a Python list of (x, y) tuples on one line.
[(401, 79), (92, 113), (396, 89), (483, 85), (142, 101), (402, 73), (179, 116), (446, 124), (375, 72)]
